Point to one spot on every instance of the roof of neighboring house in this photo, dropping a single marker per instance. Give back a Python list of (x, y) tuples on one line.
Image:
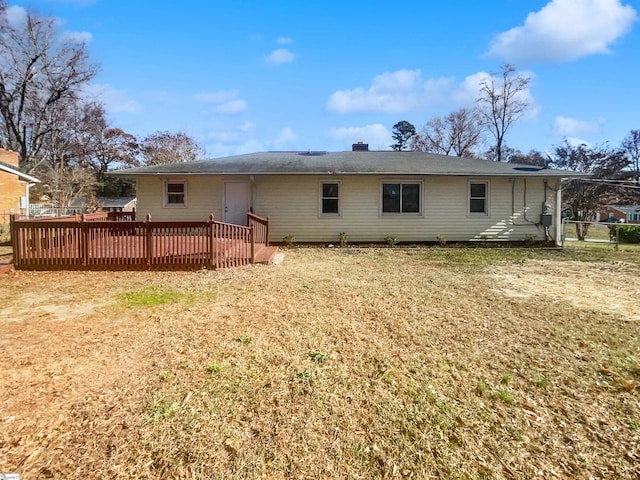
[(7, 167), (348, 163), (626, 209), (106, 202)]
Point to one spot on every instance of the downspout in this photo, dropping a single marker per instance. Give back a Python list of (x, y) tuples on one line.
[(524, 207), (559, 236), (28, 187)]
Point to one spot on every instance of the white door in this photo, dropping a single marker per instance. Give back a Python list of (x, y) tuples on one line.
[(236, 202)]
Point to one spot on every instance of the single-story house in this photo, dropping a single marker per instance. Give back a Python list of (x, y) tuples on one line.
[(620, 213), (14, 184), (314, 196)]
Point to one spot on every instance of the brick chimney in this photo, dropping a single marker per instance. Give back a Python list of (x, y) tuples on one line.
[(360, 147)]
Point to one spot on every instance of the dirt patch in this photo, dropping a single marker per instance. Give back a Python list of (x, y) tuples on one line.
[(606, 288)]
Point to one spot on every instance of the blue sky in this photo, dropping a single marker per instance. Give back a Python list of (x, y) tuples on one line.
[(244, 76)]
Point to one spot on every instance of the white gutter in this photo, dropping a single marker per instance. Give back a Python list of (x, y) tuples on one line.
[(559, 225), (19, 173)]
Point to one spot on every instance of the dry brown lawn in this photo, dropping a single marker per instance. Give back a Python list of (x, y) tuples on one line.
[(337, 363)]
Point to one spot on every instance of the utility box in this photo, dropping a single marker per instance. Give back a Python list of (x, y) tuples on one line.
[(546, 219)]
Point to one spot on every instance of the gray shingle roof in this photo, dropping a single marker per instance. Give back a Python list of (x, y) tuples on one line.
[(347, 163), (627, 209)]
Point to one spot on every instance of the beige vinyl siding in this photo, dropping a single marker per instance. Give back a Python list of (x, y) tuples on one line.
[(204, 197), (292, 202)]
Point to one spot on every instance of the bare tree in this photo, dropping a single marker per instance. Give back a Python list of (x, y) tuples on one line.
[(631, 146), (68, 183), (166, 147), (101, 147), (584, 196), (458, 133), (38, 70), (534, 158), (502, 103)]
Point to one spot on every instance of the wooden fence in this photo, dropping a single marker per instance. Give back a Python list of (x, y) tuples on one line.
[(93, 242)]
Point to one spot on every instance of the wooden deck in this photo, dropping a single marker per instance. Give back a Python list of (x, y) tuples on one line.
[(95, 243)]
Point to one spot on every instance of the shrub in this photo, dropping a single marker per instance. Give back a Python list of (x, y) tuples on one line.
[(391, 240), (343, 239), (626, 233)]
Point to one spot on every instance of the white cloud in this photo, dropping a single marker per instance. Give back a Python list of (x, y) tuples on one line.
[(468, 90), (566, 126), (16, 15), (225, 101), (405, 90), (285, 137), (565, 30), (247, 126), (115, 100), (78, 37), (376, 135), (233, 107), (390, 92), (284, 40), (224, 133), (280, 56), (577, 142)]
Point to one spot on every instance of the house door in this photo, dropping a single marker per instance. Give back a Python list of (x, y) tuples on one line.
[(236, 202)]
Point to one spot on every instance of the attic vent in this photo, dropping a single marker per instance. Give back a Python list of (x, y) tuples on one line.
[(360, 147), (312, 153)]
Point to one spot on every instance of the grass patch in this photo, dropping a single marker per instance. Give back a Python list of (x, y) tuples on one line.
[(505, 396), (151, 296), (161, 408), (214, 368), (319, 356)]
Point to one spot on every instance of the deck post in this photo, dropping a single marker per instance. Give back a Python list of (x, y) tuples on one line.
[(14, 238), (84, 241), (253, 243), (267, 239), (212, 241), (149, 242)]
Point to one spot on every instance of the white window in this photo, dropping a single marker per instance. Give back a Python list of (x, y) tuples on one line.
[(175, 193), (330, 198), (401, 197), (478, 198)]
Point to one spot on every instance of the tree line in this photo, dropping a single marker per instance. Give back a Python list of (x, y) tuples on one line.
[(502, 101), (61, 133)]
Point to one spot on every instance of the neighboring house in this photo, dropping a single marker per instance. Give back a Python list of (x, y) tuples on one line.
[(14, 184), (620, 213), (367, 195), (105, 204)]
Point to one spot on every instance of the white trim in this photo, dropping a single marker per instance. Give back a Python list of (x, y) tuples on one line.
[(165, 196), (321, 197), (28, 178), (487, 205), (401, 181)]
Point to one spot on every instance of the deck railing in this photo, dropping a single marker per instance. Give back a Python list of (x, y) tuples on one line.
[(91, 242), (260, 227)]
